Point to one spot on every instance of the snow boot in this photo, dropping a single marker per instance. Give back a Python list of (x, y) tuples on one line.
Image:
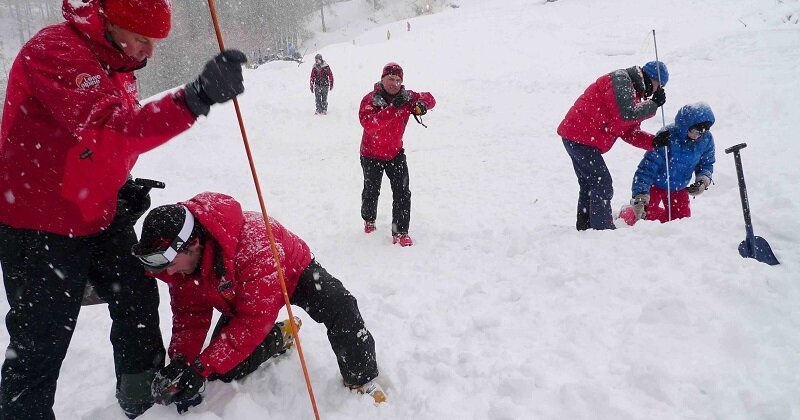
[(369, 227), (286, 332), (582, 221), (627, 214), (402, 239), (134, 392), (373, 389)]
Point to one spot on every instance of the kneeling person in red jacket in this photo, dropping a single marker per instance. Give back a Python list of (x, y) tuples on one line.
[(214, 255)]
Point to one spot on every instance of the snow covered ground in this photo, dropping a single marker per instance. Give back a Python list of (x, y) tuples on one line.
[(502, 310)]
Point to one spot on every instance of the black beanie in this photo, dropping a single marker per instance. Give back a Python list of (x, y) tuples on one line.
[(161, 226)]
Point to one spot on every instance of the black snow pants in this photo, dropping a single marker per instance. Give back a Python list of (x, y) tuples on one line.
[(321, 98), (595, 187), (270, 347), (326, 301), (397, 172), (44, 276)]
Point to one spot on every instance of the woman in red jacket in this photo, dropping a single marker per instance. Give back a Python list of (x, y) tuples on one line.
[(612, 107), (384, 113), (213, 255), (72, 130)]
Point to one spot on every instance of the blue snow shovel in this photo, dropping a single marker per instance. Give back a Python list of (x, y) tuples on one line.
[(752, 246)]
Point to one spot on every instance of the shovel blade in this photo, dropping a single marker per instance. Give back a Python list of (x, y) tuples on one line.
[(759, 250)]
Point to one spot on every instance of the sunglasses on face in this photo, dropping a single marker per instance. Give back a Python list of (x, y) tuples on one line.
[(699, 129), (158, 261)]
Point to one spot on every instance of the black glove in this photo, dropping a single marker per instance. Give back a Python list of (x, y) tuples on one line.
[(177, 382), (401, 98), (184, 405), (133, 200), (661, 139), (420, 108), (659, 97), (220, 81)]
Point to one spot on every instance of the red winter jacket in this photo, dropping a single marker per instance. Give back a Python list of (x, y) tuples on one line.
[(73, 128), (610, 108), (248, 291), (384, 124), (321, 75)]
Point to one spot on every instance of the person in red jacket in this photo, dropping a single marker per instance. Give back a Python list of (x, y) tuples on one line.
[(612, 107), (213, 255), (384, 113), (321, 81), (71, 132)]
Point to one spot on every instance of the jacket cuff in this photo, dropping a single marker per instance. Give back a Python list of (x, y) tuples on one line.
[(201, 369), (180, 98)]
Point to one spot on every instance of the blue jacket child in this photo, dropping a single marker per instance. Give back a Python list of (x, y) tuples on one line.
[(691, 152)]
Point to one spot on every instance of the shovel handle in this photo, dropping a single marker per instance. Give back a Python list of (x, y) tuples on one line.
[(736, 148), (748, 224)]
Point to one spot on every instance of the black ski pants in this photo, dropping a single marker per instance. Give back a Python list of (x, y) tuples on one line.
[(397, 171), (270, 347), (595, 187), (321, 97), (45, 275), (326, 301)]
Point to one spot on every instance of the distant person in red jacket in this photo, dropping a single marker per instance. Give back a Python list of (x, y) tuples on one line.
[(612, 107), (384, 113), (321, 81), (71, 132), (213, 255)]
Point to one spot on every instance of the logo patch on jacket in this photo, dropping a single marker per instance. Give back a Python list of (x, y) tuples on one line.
[(226, 290), (85, 81), (87, 154)]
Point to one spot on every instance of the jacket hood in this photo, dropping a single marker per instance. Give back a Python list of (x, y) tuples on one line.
[(635, 73), (690, 115), (85, 17), (222, 218)]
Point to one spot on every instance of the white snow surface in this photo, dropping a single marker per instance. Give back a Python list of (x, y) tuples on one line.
[(501, 309)]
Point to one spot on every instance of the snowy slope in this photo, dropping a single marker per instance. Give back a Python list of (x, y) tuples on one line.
[(502, 310)]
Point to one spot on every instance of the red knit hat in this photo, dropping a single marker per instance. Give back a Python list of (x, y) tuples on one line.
[(393, 69), (150, 18)]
